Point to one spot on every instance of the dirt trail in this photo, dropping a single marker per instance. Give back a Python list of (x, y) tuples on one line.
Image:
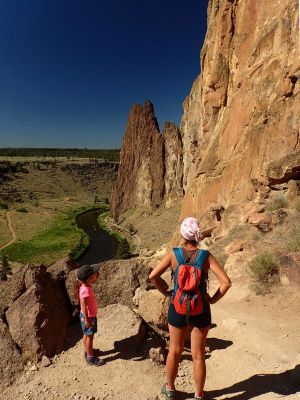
[(254, 349), (13, 233)]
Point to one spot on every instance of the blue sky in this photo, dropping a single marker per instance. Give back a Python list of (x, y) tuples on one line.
[(71, 69)]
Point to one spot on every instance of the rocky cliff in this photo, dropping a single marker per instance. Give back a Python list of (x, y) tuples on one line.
[(240, 128), (242, 114), (150, 163)]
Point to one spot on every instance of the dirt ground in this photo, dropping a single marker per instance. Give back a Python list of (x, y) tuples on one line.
[(253, 353)]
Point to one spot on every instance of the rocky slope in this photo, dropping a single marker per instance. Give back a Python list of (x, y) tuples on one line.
[(239, 133)]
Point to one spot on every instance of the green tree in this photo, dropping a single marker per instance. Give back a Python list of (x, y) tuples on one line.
[(4, 268)]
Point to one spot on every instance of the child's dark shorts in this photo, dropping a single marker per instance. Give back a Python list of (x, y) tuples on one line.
[(202, 320), (92, 329)]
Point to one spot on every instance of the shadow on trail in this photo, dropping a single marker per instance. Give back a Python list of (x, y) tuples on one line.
[(213, 344), (257, 385), (130, 349)]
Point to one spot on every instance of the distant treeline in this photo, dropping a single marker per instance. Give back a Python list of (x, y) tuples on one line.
[(105, 154)]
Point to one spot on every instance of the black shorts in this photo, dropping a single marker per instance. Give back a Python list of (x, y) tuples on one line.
[(202, 320)]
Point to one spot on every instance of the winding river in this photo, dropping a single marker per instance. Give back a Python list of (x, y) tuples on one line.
[(102, 245)]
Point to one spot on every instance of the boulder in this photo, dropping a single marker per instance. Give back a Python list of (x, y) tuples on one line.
[(121, 328), (61, 268), (11, 362), (237, 245), (38, 318), (12, 289), (152, 306), (261, 221), (284, 169), (117, 282), (278, 216)]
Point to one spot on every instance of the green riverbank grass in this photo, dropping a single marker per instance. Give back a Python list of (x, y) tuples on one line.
[(62, 237)]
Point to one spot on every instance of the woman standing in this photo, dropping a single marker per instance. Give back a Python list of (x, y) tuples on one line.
[(189, 258)]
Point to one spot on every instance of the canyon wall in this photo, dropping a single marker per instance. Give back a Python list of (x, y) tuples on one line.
[(243, 111), (240, 127)]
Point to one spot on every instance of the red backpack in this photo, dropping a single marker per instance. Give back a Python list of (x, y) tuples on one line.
[(189, 285)]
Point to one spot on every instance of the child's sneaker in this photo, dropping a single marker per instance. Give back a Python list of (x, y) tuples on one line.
[(96, 361)]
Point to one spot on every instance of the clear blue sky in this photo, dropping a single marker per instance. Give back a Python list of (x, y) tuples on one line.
[(71, 69)]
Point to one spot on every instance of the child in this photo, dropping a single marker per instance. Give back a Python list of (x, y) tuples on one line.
[(86, 276)]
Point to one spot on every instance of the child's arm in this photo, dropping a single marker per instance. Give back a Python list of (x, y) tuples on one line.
[(87, 321)]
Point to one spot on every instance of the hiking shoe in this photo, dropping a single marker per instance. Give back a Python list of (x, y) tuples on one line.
[(169, 394), (96, 361), (96, 353)]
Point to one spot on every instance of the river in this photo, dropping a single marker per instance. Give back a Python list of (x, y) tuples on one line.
[(102, 245)]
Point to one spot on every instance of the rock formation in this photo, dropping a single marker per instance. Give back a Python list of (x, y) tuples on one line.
[(140, 177), (34, 315), (242, 115), (173, 163), (150, 172), (240, 128)]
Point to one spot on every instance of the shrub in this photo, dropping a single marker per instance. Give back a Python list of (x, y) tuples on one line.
[(3, 205), (5, 269), (280, 201), (264, 272), (22, 210), (27, 357), (294, 243)]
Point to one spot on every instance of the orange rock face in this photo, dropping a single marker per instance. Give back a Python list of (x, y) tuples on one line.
[(243, 113), (140, 177)]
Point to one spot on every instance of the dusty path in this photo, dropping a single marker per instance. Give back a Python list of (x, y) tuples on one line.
[(13, 233), (254, 352)]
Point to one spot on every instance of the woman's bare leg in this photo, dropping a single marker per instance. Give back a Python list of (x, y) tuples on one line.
[(177, 336), (198, 339)]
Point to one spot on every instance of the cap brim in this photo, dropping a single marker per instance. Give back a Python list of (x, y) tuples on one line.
[(95, 267)]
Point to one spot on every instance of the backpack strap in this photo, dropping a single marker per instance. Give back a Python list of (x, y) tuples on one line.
[(179, 255), (202, 254), (201, 257)]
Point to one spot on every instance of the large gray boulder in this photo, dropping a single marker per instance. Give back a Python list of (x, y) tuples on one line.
[(121, 328), (38, 318)]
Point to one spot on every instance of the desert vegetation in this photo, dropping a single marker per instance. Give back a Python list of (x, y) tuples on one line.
[(105, 154), (264, 272)]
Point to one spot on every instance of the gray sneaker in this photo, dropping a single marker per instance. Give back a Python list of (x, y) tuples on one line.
[(96, 361), (169, 394)]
